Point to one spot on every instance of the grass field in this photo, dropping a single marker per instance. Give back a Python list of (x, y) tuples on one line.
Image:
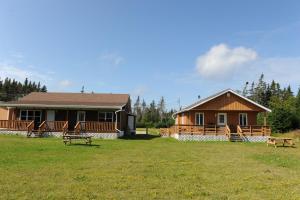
[(146, 168)]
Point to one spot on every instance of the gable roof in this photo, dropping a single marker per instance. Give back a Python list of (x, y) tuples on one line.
[(71, 100), (207, 99)]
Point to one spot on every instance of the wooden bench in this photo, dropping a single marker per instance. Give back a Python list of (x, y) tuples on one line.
[(284, 141), (69, 138)]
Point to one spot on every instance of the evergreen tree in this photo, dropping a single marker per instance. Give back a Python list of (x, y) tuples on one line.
[(10, 89)]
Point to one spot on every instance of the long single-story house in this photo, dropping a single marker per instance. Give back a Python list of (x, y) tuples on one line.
[(223, 116), (99, 115)]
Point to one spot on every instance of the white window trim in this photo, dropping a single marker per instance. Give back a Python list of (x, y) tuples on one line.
[(112, 120), (246, 114), (196, 123), (40, 120), (225, 119)]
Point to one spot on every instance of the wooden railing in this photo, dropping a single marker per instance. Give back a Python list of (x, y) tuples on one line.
[(95, 127), (52, 126), (254, 130), (216, 130), (65, 127), (14, 125), (194, 130), (30, 127), (227, 131)]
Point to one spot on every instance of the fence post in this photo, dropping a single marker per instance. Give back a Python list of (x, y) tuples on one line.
[(147, 131)]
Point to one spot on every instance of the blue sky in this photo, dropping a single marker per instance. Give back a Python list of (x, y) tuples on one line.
[(176, 49)]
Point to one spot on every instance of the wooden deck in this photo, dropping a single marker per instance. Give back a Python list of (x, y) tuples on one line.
[(58, 126), (255, 130)]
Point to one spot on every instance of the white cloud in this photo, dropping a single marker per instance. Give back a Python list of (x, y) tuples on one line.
[(112, 58), (65, 83), (221, 60), (18, 73)]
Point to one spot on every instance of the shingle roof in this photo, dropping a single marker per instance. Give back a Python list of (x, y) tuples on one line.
[(72, 100), (202, 101)]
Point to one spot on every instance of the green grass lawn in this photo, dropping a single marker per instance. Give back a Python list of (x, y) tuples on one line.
[(146, 168)]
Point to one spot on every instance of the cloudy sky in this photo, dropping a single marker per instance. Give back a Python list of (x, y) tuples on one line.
[(177, 49)]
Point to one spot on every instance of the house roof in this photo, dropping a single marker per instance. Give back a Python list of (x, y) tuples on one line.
[(207, 99), (71, 100)]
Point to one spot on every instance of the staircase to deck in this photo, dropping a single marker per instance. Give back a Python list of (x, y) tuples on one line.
[(235, 137)]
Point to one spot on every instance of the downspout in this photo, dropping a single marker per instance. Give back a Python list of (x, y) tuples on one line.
[(117, 120)]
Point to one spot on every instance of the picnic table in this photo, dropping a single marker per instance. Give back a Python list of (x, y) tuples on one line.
[(277, 140), (69, 138)]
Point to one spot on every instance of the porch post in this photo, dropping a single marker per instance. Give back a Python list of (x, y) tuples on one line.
[(265, 119), (11, 115)]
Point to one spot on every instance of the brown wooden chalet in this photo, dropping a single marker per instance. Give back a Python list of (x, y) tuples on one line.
[(224, 113), (62, 112)]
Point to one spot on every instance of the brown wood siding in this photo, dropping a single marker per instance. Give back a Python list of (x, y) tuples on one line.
[(231, 102), (210, 117), (3, 113)]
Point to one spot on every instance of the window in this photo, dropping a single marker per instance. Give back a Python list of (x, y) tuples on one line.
[(199, 119), (222, 119), (30, 115), (243, 119), (106, 117)]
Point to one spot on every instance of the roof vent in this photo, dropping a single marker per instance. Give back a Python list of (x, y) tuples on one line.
[(228, 94)]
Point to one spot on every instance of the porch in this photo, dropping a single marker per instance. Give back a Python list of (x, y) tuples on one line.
[(58, 127), (217, 132)]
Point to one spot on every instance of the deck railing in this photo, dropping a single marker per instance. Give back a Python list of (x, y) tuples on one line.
[(95, 127), (216, 130), (227, 131), (194, 130), (15, 125), (52, 126), (254, 130)]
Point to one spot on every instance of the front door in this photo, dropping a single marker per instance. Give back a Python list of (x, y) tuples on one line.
[(50, 115), (222, 119)]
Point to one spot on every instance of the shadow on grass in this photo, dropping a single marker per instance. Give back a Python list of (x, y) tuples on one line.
[(82, 144), (140, 137)]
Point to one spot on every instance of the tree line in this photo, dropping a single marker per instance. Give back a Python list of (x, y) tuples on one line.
[(152, 115), (284, 104), (11, 90)]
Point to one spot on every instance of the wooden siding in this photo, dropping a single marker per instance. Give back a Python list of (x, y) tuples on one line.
[(229, 102), (3, 113), (210, 117)]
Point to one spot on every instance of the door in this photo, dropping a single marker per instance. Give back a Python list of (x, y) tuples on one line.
[(131, 123), (50, 117), (81, 118), (222, 119)]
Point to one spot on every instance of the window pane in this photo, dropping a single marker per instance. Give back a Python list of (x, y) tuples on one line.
[(109, 117), (30, 117), (201, 120), (221, 119), (23, 113), (197, 119), (30, 113), (101, 116), (23, 117)]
